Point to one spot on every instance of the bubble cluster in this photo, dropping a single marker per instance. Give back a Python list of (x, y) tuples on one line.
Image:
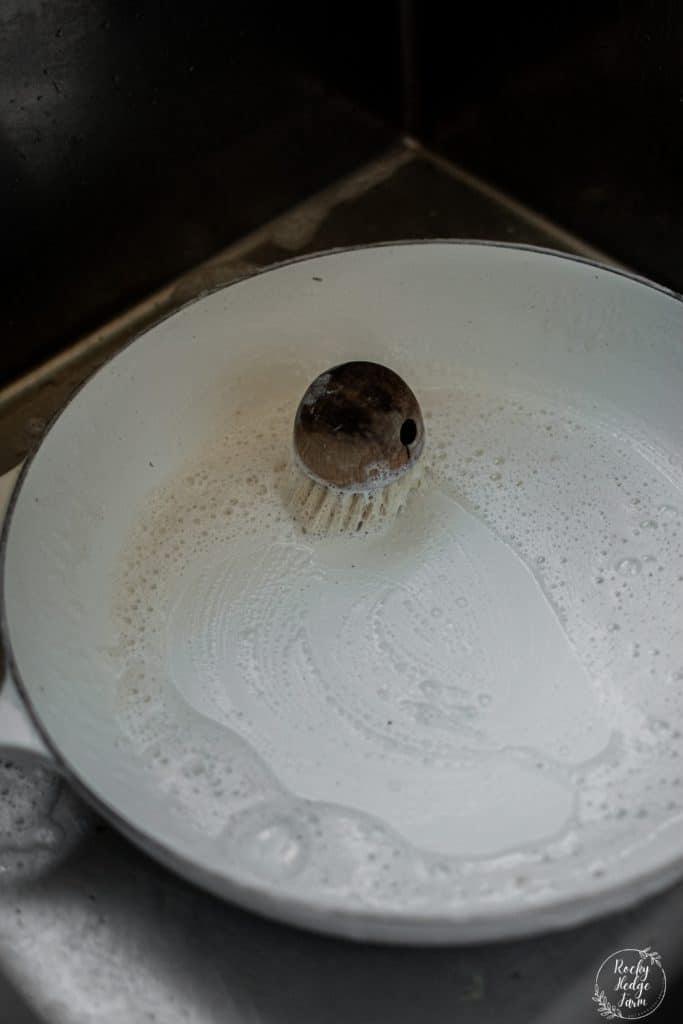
[(313, 703), (40, 821)]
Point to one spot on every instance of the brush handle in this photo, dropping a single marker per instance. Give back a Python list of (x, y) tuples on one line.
[(358, 426)]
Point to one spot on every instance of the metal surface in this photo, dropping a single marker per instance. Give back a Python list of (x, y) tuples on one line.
[(90, 929)]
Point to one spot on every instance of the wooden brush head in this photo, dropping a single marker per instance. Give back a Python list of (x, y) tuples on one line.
[(358, 426)]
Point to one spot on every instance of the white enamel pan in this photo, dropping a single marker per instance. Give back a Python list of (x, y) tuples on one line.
[(464, 728)]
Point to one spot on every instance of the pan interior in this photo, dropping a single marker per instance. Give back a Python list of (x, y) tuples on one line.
[(477, 705), (416, 679)]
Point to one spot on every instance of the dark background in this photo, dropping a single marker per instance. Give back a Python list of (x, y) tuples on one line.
[(138, 138)]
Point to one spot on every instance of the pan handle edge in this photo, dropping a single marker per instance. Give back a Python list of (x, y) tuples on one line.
[(19, 738)]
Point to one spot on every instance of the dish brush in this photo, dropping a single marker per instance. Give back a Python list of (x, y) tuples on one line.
[(358, 437)]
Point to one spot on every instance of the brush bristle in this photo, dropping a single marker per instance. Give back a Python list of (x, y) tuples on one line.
[(320, 509)]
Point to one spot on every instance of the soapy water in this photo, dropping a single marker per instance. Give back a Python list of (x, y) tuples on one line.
[(432, 708), (41, 821)]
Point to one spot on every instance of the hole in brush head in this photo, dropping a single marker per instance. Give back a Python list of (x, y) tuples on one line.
[(408, 432)]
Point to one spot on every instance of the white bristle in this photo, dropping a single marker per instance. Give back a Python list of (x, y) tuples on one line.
[(322, 510)]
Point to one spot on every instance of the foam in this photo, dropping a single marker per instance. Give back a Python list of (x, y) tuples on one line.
[(224, 609), (40, 821)]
